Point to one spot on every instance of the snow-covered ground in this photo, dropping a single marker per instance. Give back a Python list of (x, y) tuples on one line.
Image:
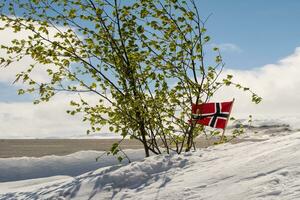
[(269, 169)]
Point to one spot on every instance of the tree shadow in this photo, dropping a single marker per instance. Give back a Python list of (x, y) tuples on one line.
[(157, 172)]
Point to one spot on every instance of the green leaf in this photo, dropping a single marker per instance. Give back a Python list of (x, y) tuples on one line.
[(111, 129), (140, 29), (120, 159), (206, 38)]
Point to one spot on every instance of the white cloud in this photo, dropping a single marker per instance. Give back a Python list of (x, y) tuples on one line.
[(23, 119), (278, 85), (8, 74), (228, 47)]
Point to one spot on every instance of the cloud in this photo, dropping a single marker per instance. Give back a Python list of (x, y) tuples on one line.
[(23, 119), (278, 85), (39, 73), (228, 47), (45, 120)]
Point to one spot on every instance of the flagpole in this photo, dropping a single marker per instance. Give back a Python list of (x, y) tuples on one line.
[(223, 134)]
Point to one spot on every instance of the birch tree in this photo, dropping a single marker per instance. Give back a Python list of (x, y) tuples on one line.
[(143, 60)]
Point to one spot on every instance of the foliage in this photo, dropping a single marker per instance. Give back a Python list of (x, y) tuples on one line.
[(143, 60)]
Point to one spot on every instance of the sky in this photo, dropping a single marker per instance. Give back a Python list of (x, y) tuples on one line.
[(256, 32), (259, 41)]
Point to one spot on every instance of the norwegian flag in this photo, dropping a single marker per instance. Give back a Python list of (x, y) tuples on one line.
[(212, 114)]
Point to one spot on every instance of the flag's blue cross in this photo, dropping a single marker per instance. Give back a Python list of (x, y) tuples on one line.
[(217, 114)]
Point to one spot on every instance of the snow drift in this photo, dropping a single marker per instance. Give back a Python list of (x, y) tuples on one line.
[(250, 170), (15, 169)]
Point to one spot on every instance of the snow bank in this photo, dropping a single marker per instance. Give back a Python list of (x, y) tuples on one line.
[(266, 127), (248, 170), (13, 169)]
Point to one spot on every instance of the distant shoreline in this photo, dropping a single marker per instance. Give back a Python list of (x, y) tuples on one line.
[(43, 147)]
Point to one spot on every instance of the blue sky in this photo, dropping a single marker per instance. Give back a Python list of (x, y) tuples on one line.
[(258, 40), (251, 33), (264, 31)]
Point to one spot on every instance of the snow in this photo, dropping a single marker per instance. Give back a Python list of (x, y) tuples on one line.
[(268, 169), (70, 165), (266, 127)]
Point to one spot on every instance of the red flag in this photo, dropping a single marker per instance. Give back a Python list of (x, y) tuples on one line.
[(212, 114)]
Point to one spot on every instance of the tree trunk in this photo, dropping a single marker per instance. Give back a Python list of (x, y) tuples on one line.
[(143, 133)]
